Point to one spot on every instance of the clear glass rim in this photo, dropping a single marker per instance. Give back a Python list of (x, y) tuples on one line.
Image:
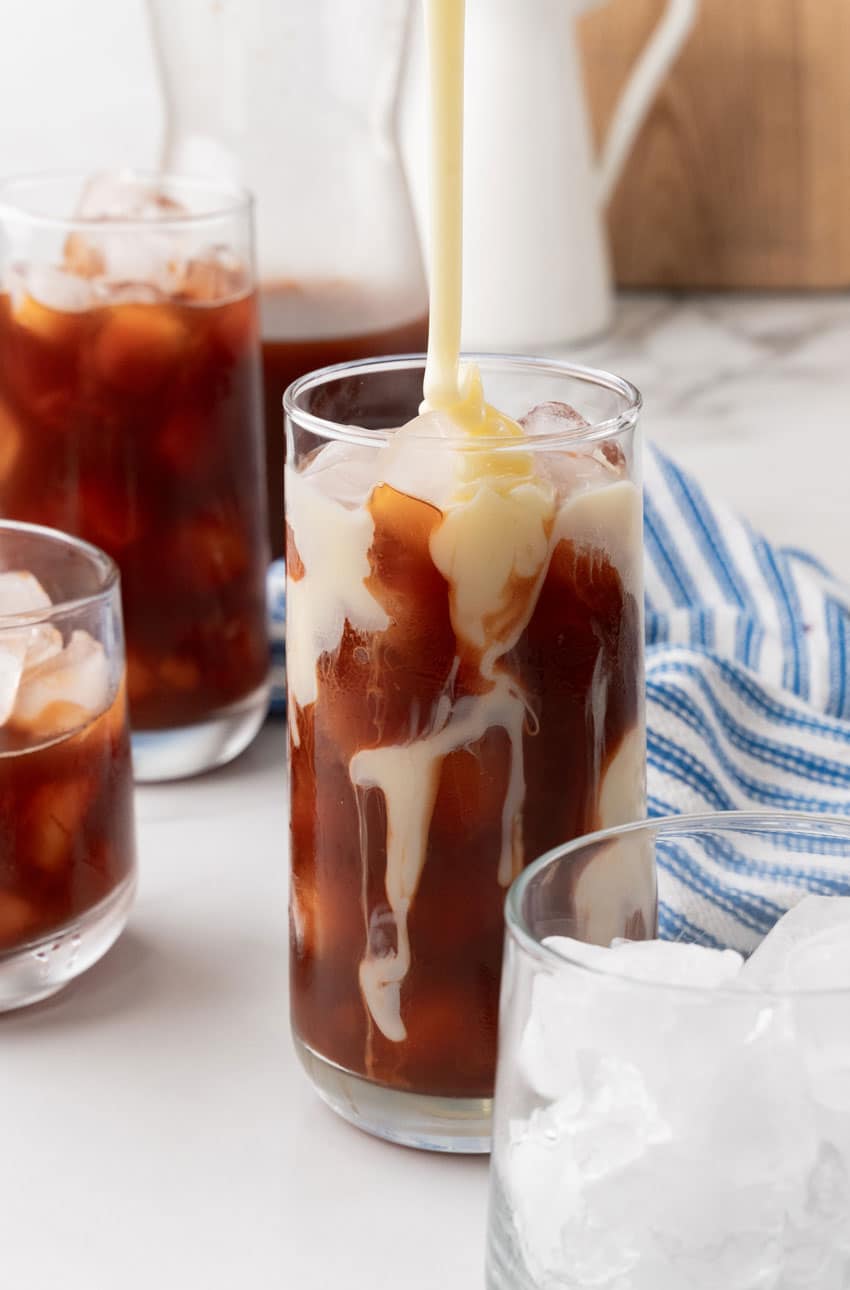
[(709, 822), (594, 432), (235, 200), (105, 566)]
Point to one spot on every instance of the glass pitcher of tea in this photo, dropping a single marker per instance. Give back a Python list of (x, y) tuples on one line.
[(298, 102)]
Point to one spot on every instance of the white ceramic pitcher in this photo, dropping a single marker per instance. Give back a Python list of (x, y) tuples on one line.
[(536, 267)]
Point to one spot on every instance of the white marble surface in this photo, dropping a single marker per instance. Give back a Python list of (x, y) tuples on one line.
[(156, 1128), (752, 394)]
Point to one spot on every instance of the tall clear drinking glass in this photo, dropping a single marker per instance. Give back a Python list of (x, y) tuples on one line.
[(451, 715), (130, 415), (656, 1137)]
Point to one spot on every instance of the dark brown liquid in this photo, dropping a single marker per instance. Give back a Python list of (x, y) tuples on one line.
[(285, 360), (66, 825), (137, 427), (582, 641)]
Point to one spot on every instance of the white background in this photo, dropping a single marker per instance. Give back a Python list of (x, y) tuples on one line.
[(77, 85)]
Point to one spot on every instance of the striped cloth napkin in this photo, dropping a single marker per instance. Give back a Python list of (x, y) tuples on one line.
[(748, 705), (748, 708)]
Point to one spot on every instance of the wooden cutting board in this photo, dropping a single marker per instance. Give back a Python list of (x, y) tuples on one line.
[(740, 176)]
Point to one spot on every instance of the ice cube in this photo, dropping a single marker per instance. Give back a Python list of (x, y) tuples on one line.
[(419, 460), (542, 1189), (560, 1024), (65, 690), (214, 275), (138, 265), (21, 593), (113, 521), (592, 956), (818, 967), (818, 1219), (22, 649), (12, 655), (769, 965), (674, 963), (808, 951), (48, 288), (18, 917), (181, 438), (179, 673), (552, 418), (43, 641), (703, 1232), (678, 963), (344, 473), (81, 257), (11, 438), (749, 1110), (561, 1245), (822, 961), (572, 474), (138, 346), (120, 195), (587, 1009), (108, 292), (55, 814), (584, 467), (212, 549)]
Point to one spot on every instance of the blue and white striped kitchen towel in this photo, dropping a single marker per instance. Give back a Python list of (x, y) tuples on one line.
[(748, 703)]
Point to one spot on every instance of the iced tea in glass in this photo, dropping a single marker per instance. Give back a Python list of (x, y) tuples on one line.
[(67, 847), (465, 682), (130, 415)]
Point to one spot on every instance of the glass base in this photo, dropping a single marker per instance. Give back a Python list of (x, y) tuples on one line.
[(188, 750), (43, 967), (460, 1125)]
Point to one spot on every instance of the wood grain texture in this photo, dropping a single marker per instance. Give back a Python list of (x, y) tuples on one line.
[(740, 176)]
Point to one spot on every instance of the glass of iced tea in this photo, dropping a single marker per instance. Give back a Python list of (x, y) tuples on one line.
[(67, 845), (465, 681), (130, 415)]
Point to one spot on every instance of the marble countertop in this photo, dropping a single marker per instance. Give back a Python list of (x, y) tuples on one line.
[(157, 1129), (752, 394)]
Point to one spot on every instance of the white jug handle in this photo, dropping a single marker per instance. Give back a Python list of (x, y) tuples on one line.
[(651, 67)]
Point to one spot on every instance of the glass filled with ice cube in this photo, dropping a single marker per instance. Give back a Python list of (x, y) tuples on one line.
[(67, 843), (676, 1113), (465, 683), (130, 415)]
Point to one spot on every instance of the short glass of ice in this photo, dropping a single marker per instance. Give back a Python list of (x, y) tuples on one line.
[(67, 842), (465, 682), (130, 415), (683, 1120)]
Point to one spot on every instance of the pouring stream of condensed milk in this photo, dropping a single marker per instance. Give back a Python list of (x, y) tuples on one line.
[(451, 387)]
